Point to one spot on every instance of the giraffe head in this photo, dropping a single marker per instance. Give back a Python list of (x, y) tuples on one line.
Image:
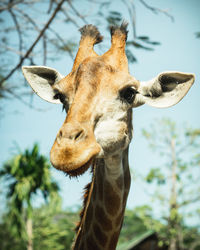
[(98, 96)]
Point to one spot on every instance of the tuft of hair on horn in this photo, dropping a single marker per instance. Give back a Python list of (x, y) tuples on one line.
[(92, 32), (120, 30)]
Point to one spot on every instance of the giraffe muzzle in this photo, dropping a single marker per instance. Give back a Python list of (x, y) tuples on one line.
[(74, 149)]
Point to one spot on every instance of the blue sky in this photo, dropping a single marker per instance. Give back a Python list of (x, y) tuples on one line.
[(179, 50)]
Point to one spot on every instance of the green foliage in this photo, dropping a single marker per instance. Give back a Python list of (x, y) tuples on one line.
[(9, 240), (140, 221), (155, 174), (53, 228), (177, 188), (24, 175), (133, 225)]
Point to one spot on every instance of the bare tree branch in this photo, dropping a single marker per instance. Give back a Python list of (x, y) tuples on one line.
[(44, 50), (18, 31), (50, 6), (29, 19), (10, 5), (61, 40), (12, 49), (34, 43), (190, 201), (76, 12), (69, 18), (25, 24), (132, 15), (22, 100), (157, 10)]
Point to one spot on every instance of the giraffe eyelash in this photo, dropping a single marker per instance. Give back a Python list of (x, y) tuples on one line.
[(63, 107)]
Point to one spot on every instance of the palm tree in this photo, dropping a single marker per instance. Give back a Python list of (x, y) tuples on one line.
[(26, 174)]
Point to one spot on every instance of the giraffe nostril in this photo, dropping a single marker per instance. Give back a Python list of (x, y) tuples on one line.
[(71, 132), (78, 135)]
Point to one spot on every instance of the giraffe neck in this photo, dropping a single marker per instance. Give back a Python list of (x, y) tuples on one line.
[(104, 209)]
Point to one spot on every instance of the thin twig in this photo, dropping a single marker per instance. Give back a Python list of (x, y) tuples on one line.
[(131, 11), (10, 5), (50, 6), (22, 100), (18, 30), (12, 49), (133, 16), (34, 44), (61, 40), (44, 49), (157, 10), (28, 18), (49, 28), (190, 201), (76, 12), (69, 18)]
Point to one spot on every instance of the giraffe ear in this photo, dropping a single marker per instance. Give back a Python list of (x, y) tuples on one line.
[(41, 79), (165, 90)]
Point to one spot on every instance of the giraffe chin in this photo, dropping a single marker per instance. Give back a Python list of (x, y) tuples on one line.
[(75, 171), (73, 163), (81, 170)]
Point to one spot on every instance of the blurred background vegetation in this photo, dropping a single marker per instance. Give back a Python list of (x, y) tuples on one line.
[(176, 189), (29, 34)]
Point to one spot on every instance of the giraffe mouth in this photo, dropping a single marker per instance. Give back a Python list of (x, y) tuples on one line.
[(79, 171), (74, 161)]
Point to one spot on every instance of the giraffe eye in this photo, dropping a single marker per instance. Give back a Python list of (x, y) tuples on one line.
[(128, 94)]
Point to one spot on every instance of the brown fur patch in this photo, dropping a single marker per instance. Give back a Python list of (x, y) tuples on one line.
[(100, 190), (89, 217), (91, 245), (113, 241), (94, 67), (102, 218), (120, 182), (85, 199), (110, 69), (99, 234), (127, 176), (99, 180), (119, 219), (81, 245), (88, 75), (94, 193), (112, 200)]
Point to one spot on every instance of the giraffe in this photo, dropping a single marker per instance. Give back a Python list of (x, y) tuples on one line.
[(98, 96)]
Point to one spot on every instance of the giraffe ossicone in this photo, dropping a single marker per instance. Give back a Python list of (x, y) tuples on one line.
[(98, 95)]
